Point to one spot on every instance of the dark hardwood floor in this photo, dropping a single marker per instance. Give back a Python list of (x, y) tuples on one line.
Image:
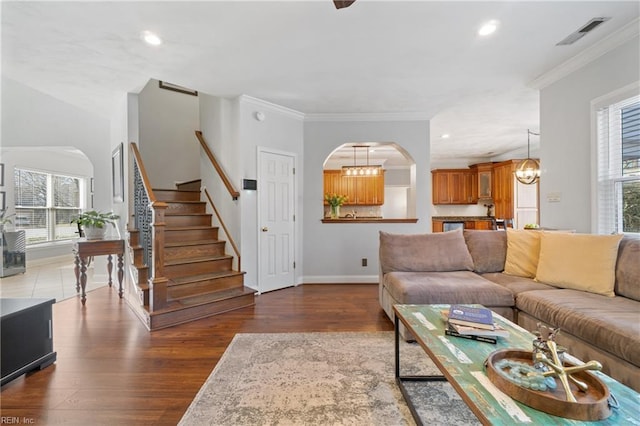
[(112, 371)]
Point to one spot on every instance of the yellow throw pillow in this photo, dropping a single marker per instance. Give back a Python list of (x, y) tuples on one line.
[(584, 262), (523, 250)]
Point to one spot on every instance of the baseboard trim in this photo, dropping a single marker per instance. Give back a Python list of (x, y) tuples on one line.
[(340, 279)]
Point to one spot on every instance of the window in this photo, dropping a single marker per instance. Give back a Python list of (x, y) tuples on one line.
[(618, 127), (45, 204)]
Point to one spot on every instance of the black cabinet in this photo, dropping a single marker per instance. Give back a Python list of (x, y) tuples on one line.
[(26, 333)]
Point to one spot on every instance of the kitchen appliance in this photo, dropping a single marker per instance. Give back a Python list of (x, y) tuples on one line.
[(450, 226)]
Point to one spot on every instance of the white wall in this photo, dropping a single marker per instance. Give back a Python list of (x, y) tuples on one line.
[(565, 128), (31, 118), (168, 145), (333, 252), (234, 135)]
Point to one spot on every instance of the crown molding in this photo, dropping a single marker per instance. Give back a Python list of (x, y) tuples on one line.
[(607, 44), (374, 116), (259, 103)]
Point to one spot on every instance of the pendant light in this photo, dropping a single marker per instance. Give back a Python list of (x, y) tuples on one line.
[(355, 170), (528, 171)]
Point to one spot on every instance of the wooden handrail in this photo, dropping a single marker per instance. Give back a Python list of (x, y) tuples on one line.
[(150, 222), (143, 172), (224, 227), (234, 193)]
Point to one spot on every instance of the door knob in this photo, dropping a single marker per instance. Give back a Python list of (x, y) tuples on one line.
[(265, 229)]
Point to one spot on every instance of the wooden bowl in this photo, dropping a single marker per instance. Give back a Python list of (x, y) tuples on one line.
[(590, 406)]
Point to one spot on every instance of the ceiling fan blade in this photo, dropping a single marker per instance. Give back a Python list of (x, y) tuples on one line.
[(341, 4)]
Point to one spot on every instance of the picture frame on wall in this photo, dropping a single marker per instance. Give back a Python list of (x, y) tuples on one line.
[(3, 200), (117, 174), (1, 174)]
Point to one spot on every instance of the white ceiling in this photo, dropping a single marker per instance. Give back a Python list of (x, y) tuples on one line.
[(419, 57)]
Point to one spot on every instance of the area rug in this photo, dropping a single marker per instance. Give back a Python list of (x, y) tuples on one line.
[(321, 379)]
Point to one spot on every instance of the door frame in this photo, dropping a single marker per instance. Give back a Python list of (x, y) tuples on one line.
[(259, 152)]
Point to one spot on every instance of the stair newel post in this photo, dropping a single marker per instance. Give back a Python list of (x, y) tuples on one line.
[(158, 282)]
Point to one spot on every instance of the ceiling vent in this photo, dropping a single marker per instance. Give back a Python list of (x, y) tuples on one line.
[(589, 26)]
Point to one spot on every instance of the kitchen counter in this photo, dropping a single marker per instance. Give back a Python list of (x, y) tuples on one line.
[(460, 218), (368, 220)]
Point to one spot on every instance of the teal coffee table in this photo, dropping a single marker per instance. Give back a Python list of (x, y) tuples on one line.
[(461, 362)]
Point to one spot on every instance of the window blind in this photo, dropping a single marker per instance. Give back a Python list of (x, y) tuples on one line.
[(618, 191)]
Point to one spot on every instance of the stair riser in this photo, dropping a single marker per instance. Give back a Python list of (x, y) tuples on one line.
[(138, 256), (181, 235), (202, 287), (168, 195), (190, 252), (198, 312), (190, 186), (190, 269), (188, 220), (186, 208)]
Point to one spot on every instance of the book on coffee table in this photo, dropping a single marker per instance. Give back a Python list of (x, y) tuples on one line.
[(450, 331), (497, 331), (471, 316)]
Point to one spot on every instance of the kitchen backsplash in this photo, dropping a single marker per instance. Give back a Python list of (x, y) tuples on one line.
[(459, 210), (360, 211)]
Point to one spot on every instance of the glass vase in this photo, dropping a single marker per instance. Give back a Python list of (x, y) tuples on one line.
[(335, 212)]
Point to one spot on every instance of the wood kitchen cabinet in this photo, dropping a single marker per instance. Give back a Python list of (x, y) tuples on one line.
[(471, 222), (453, 186), (360, 190), (483, 175)]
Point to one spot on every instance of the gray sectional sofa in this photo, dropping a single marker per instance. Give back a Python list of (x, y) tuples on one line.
[(469, 267)]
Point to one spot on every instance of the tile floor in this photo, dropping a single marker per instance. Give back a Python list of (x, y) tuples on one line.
[(50, 280)]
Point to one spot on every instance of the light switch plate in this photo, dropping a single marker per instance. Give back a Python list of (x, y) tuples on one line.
[(553, 197)]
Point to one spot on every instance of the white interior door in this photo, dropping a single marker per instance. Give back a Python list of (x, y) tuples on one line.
[(276, 254)]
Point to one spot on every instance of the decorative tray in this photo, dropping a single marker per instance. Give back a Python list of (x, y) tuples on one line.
[(590, 405)]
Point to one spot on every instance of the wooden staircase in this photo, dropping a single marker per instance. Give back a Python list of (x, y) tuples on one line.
[(200, 280)]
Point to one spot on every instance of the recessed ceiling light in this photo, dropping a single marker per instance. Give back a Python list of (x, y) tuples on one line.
[(488, 28), (445, 136), (151, 38)]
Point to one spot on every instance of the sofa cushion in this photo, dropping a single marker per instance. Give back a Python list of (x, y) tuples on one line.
[(488, 249), (628, 268), (579, 261), (523, 250), (439, 252), (611, 324), (517, 285), (445, 287)]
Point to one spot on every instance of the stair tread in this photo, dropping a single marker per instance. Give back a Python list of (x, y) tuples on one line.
[(175, 190), (203, 299), (195, 260), (204, 277), (192, 243), (189, 228), (186, 214)]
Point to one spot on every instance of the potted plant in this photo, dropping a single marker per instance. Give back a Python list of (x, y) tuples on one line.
[(93, 223)]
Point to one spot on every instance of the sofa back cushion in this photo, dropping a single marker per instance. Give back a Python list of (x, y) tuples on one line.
[(628, 268), (584, 262), (439, 252), (523, 250), (488, 250)]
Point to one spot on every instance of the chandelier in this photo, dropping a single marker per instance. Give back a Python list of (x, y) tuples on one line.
[(356, 170), (528, 171)]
